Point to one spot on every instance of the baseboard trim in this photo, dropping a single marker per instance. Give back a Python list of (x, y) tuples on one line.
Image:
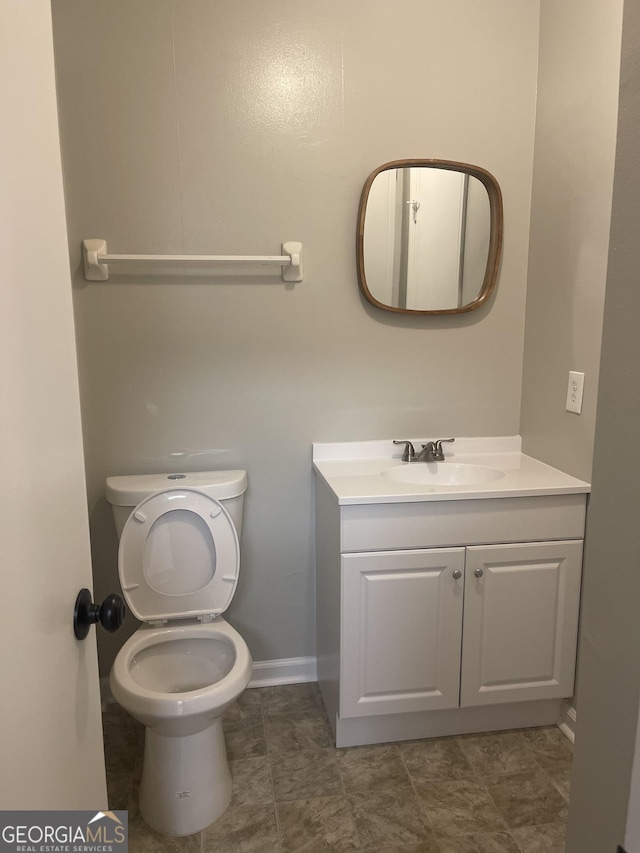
[(567, 721), (270, 673)]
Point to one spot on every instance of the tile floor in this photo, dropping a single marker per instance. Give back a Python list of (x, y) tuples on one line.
[(294, 792)]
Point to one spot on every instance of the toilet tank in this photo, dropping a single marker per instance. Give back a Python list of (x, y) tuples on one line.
[(228, 487)]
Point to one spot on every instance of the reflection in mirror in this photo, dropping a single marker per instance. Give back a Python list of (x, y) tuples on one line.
[(429, 236)]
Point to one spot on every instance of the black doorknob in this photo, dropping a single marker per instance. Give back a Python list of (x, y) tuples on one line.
[(110, 613)]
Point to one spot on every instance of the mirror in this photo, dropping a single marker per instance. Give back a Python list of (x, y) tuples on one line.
[(429, 237)]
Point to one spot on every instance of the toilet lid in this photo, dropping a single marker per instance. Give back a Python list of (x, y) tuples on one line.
[(179, 557)]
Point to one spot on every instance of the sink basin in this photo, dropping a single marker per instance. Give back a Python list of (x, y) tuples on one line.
[(442, 474)]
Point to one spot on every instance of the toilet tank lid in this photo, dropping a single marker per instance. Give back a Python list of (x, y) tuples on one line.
[(129, 490)]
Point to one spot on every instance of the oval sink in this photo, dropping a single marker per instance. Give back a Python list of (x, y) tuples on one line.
[(442, 474)]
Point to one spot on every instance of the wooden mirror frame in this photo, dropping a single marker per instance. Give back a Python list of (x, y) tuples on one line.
[(495, 239)]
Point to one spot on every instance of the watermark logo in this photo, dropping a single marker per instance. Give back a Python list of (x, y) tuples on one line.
[(64, 832)]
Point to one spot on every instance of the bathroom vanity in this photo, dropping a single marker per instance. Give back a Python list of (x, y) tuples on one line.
[(447, 592)]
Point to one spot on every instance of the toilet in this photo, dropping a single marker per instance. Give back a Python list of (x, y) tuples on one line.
[(178, 563)]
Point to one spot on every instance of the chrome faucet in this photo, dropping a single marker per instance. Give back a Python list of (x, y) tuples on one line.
[(431, 451)]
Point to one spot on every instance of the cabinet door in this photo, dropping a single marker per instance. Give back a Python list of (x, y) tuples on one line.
[(401, 631), (520, 622)]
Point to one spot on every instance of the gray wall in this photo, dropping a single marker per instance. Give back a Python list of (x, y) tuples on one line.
[(228, 127), (570, 216), (604, 794), (574, 154)]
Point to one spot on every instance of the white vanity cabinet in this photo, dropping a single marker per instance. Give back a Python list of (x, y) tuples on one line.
[(458, 627), (445, 616)]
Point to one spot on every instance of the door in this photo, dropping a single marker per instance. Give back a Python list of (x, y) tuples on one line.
[(435, 238), (50, 732), (520, 622), (401, 631)]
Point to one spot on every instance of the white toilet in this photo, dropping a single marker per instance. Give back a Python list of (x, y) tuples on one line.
[(178, 563)]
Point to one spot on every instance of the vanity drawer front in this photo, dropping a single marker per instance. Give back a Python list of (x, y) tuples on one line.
[(441, 524)]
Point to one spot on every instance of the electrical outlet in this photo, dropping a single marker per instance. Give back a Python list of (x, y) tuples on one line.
[(574, 392)]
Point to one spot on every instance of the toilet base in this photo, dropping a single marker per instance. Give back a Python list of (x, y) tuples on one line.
[(186, 781)]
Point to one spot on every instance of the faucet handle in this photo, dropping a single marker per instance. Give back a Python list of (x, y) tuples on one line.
[(409, 453), (438, 443)]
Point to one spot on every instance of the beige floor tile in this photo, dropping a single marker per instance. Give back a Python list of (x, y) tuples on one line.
[(244, 737), (317, 826), (390, 816), (122, 748), (436, 759), (430, 846), (243, 829), (561, 778), (459, 808), (498, 752), (541, 839), (119, 787), (252, 785), (248, 704), (294, 732), (115, 718), (134, 802), (497, 842), (527, 799), (306, 774), (291, 699), (371, 767), (549, 746), (143, 839)]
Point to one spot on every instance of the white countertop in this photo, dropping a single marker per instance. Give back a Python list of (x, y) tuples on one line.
[(353, 472)]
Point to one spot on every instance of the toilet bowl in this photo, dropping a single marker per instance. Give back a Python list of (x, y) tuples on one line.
[(178, 562)]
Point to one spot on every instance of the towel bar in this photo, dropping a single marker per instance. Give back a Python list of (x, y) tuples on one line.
[(96, 258)]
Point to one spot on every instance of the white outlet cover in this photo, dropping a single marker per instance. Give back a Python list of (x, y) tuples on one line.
[(574, 392)]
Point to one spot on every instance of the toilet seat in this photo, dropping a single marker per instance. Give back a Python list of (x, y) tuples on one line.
[(178, 708), (179, 557)]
